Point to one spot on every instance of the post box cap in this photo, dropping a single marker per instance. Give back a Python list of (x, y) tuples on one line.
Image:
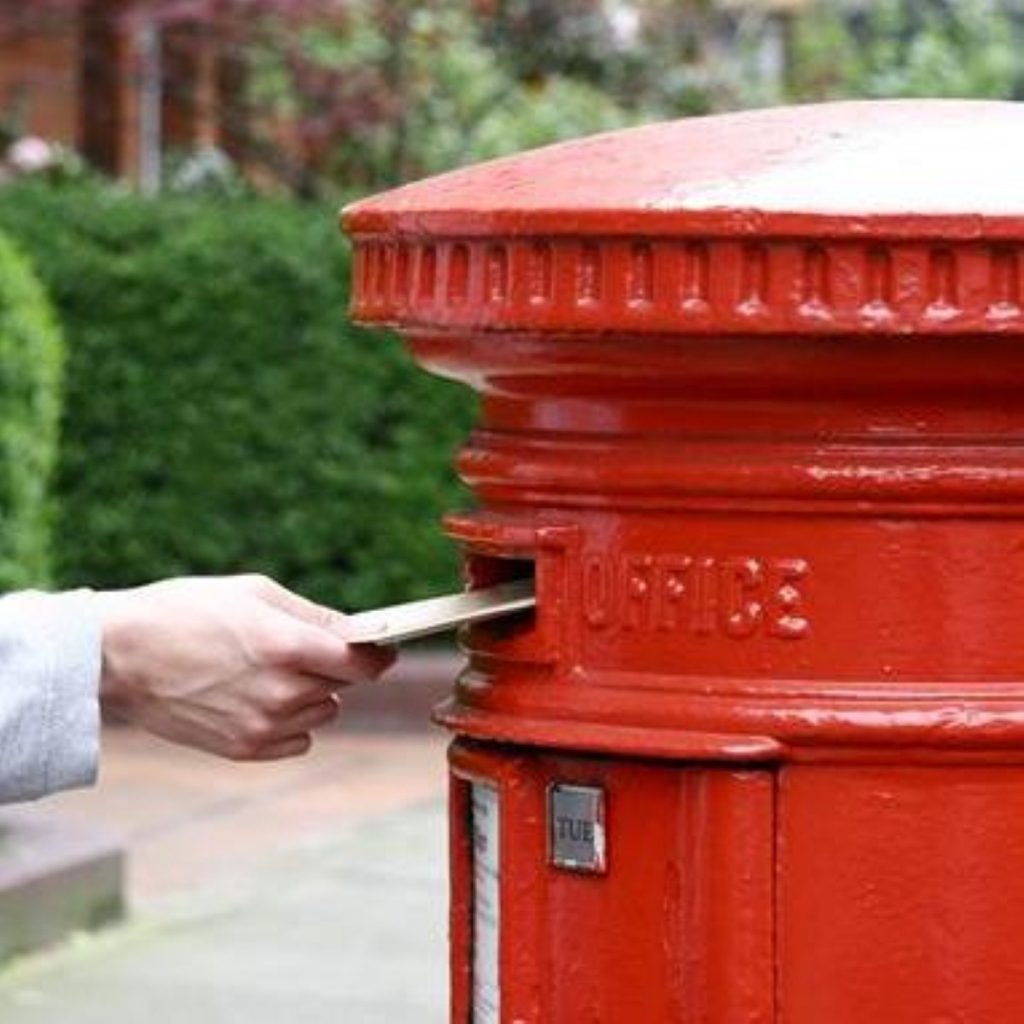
[(896, 216)]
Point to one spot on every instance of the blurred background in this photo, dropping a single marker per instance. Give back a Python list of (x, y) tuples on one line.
[(172, 170), (181, 392)]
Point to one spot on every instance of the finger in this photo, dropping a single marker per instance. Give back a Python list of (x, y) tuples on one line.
[(323, 653), (193, 734), (374, 660), (288, 693), (308, 719), (291, 746)]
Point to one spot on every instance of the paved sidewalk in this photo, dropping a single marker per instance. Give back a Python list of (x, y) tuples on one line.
[(186, 818), (348, 928), (308, 891)]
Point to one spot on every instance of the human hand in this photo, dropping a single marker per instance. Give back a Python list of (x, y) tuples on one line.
[(236, 665)]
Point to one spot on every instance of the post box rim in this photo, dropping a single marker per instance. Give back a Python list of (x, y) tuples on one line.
[(895, 217)]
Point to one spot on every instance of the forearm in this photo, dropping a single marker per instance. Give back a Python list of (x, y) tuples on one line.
[(50, 659), (236, 666)]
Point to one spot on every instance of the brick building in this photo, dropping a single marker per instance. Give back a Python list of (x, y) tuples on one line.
[(111, 82)]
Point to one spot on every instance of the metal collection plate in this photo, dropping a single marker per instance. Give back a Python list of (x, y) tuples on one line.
[(576, 826)]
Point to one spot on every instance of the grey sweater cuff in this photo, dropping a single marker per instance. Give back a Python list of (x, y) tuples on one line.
[(50, 661)]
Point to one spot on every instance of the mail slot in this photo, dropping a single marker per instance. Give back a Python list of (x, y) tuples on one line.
[(752, 418)]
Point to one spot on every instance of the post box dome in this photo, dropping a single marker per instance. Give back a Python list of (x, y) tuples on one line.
[(891, 216)]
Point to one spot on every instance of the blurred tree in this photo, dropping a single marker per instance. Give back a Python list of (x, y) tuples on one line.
[(353, 95), (31, 377), (537, 38), (701, 56), (442, 96), (894, 48)]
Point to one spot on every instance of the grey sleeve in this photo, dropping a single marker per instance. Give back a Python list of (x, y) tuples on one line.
[(50, 658)]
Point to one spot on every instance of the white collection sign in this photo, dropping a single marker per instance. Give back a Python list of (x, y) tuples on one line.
[(486, 904)]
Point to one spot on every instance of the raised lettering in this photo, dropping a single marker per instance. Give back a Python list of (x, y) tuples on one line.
[(672, 589), (739, 596), (741, 583), (786, 617), (639, 572), (702, 607), (598, 593)]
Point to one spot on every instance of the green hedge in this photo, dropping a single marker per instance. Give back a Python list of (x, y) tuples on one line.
[(222, 414), (31, 356)]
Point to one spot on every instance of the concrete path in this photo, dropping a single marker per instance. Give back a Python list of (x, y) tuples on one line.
[(186, 818), (312, 891), (348, 927)]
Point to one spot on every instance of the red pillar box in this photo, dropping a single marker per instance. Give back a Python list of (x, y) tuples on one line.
[(753, 415)]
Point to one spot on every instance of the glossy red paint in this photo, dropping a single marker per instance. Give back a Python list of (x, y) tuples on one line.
[(752, 405)]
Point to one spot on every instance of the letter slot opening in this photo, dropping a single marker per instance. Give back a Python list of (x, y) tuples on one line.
[(490, 570), (486, 572), (501, 551), (511, 598)]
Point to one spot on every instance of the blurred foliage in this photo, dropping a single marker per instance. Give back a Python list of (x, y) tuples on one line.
[(536, 38), (221, 414), (701, 57), (456, 82), (444, 97), (453, 83), (329, 97), (894, 48), (31, 360)]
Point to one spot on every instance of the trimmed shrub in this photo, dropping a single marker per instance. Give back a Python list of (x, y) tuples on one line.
[(30, 391), (222, 413)]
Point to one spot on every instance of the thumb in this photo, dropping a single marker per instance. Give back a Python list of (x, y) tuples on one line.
[(297, 606)]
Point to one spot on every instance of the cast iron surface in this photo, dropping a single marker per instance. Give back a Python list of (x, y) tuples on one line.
[(752, 402)]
